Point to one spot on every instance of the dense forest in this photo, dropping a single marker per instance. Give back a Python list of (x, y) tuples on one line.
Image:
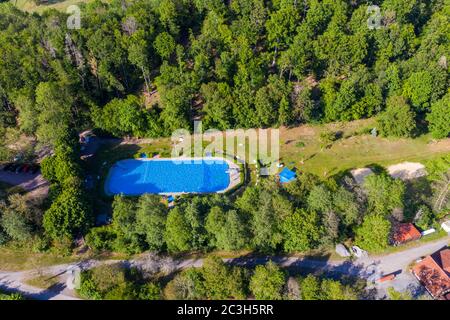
[(144, 68), (215, 280)]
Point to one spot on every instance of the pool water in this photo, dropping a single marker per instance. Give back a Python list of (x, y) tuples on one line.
[(163, 176)]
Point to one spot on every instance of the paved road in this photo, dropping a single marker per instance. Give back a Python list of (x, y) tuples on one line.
[(369, 268), (14, 282), (26, 181)]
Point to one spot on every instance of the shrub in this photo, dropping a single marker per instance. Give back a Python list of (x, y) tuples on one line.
[(101, 238)]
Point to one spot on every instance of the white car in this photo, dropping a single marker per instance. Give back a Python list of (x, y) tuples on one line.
[(446, 226), (358, 252)]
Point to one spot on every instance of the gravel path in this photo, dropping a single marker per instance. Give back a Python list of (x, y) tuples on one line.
[(369, 268), (26, 181)]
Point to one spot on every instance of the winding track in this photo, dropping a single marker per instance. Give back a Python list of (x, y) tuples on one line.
[(365, 268)]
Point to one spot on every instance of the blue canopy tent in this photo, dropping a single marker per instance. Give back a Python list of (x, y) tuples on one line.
[(286, 175)]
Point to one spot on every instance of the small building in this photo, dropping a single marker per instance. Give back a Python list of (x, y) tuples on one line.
[(286, 175), (404, 232), (433, 272)]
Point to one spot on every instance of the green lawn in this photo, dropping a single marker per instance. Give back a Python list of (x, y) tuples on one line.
[(61, 5), (352, 150), (15, 259)]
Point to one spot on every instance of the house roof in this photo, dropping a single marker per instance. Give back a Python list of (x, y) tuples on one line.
[(405, 232), (432, 275), (443, 259)]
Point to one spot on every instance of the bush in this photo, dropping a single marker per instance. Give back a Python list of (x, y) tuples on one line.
[(373, 234), (187, 285), (114, 282), (424, 218), (101, 238), (439, 118), (326, 138), (267, 282), (11, 296), (398, 118)]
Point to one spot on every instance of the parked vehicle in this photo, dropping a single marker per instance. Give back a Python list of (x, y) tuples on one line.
[(358, 252), (23, 168), (446, 226), (19, 168), (427, 232), (387, 277)]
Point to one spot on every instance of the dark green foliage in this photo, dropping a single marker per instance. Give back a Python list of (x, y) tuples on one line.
[(241, 57), (113, 282), (398, 119), (314, 288), (373, 234), (69, 214), (101, 238), (122, 117), (439, 118), (267, 282), (384, 193), (302, 231), (145, 68), (216, 280)]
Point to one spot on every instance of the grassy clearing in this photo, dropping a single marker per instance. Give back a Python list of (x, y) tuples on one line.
[(15, 259), (60, 5), (301, 147), (42, 281)]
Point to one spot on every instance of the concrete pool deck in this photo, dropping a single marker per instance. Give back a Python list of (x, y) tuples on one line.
[(234, 172)]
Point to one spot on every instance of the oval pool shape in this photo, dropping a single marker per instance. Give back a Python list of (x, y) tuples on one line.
[(166, 176)]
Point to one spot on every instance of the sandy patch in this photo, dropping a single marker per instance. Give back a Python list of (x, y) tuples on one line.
[(407, 170), (360, 174)]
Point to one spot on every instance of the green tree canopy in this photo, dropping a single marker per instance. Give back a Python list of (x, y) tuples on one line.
[(267, 282), (373, 234)]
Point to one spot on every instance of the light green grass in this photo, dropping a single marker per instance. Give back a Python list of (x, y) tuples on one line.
[(352, 150), (15, 259), (42, 281), (62, 5)]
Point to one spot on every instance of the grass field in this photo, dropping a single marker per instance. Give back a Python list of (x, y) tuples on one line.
[(30, 6), (42, 281), (301, 147), (15, 259)]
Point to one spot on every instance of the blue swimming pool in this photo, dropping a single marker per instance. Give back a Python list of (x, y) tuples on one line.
[(162, 176)]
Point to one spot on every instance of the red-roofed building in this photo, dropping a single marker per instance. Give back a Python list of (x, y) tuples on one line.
[(404, 232), (434, 273)]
